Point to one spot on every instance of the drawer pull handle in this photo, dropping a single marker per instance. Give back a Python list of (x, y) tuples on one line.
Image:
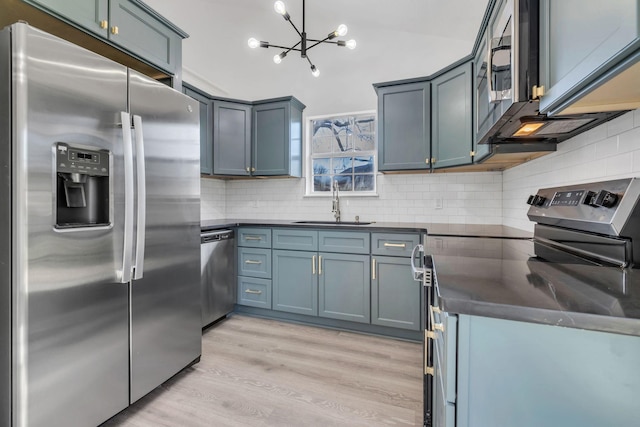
[(252, 238), (395, 245), (251, 261), (252, 291)]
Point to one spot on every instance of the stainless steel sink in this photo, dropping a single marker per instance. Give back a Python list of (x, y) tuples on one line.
[(333, 222)]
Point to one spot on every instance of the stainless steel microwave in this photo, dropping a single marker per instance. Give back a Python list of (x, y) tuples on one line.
[(507, 78)]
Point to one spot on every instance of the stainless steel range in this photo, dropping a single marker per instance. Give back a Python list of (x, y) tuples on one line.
[(579, 270)]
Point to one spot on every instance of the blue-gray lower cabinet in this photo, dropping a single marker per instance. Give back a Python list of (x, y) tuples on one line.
[(254, 292), (395, 296), (511, 373), (254, 262), (451, 117), (444, 365), (344, 289), (295, 282)]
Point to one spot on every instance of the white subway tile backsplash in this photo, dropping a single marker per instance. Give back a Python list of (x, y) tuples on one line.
[(609, 151)]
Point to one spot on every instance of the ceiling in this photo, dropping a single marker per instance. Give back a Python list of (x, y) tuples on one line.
[(396, 40)]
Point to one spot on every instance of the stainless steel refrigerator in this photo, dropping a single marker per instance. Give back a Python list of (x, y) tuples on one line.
[(99, 233)]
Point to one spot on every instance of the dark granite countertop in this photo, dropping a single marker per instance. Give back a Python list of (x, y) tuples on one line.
[(434, 229), (503, 278)]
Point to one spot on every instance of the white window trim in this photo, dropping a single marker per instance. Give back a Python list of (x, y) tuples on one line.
[(308, 165)]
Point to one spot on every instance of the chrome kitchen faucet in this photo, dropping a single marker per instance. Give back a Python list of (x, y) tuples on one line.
[(336, 200)]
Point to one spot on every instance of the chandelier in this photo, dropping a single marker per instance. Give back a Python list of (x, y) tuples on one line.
[(303, 45)]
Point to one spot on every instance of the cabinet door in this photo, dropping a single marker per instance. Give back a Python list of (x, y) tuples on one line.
[(344, 287), (231, 138), (482, 120), (206, 130), (92, 15), (271, 133), (295, 282), (577, 50), (141, 33), (395, 296), (404, 127), (451, 126)]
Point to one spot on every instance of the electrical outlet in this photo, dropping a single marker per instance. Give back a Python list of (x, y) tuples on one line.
[(438, 203)]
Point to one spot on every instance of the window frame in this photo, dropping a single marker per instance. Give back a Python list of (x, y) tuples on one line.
[(308, 155)]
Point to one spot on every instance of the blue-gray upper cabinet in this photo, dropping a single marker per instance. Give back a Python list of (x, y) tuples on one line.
[(129, 25), (480, 110), (404, 131), (206, 128), (231, 138), (583, 44), (451, 117), (277, 137)]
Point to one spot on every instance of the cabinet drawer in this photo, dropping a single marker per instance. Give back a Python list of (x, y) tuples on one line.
[(254, 262), (392, 244), (254, 237), (295, 240), (254, 292), (344, 242)]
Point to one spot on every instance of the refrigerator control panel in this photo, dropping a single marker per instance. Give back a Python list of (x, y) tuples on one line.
[(76, 160)]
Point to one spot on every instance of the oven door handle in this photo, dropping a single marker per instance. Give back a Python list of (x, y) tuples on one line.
[(418, 272)]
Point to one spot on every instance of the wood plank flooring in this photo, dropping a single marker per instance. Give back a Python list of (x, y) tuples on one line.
[(258, 372)]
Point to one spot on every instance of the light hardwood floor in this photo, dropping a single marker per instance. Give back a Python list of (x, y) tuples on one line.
[(258, 372)]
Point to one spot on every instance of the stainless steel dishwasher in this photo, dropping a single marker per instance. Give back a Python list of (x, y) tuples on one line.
[(218, 274)]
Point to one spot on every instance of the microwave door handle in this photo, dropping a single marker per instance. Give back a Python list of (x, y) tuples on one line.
[(492, 96), (125, 275), (142, 198)]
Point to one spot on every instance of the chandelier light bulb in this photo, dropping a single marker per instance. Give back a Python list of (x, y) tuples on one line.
[(278, 58), (351, 44), (315, 71), (253, 43), (279, 7), (342, 30)]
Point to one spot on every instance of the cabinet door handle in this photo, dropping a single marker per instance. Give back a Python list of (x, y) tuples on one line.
[(104, 24), (395, 245), (115, 30), (373, 268), (253, 169), (251, 261), (247, 168), (252, 291), (320, 265), (313, 264), (252, 238)]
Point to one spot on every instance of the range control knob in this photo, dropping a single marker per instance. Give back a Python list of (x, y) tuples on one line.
[(602, 198), (536, 200)]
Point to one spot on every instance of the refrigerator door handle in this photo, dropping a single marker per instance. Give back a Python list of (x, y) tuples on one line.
[(125, 276), (142, 198)]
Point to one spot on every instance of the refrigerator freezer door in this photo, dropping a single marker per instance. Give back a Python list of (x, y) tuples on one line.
[(70, 318), (165, 302)]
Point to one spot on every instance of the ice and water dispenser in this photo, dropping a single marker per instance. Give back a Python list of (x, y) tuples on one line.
[(82, 188)]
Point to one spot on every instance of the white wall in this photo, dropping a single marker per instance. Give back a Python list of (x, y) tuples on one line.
[(609, 151), (472, 198)]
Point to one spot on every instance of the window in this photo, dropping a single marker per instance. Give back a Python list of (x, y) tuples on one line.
[(342, 148)]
